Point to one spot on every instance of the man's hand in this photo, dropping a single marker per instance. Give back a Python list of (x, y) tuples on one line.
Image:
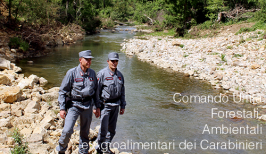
[(122, 111), (63, 114), (97, 112)]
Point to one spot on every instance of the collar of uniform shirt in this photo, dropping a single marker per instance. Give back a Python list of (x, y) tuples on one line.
[(111, 72), (82, 73)]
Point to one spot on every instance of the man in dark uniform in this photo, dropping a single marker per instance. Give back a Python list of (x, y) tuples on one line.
[(112, 95), (81, 83)]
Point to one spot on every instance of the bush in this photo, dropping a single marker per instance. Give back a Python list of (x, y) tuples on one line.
[(208, 25), (20, 147), (261, 15), (107, 23), (18, 43)]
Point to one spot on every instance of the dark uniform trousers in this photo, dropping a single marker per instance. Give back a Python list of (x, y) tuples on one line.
[(109, 117), (85, 121)]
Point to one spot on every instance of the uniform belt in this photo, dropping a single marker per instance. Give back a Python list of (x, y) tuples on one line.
[(111, 100), (81, 99)]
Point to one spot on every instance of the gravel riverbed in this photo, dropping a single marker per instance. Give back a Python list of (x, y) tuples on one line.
[(235, 63)]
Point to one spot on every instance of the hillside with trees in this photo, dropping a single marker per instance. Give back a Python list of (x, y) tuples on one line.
[(39, 17)]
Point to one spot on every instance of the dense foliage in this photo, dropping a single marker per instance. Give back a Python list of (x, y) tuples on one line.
[(162, 14)]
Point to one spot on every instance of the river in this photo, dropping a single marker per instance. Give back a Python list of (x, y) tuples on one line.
[(154, 121)]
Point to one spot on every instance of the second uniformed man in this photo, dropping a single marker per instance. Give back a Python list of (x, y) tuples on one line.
[(112, 95)]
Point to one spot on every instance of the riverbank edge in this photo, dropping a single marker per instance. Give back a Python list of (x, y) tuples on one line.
[(63, 35), (34, 112), (199, 59)]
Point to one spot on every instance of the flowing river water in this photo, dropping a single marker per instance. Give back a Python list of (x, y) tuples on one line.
[(154, 122)]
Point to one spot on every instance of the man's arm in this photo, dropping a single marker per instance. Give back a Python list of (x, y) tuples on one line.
[(64, 89), (122, 98), (97, 105)]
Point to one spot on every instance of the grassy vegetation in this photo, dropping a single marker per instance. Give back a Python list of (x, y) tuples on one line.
[(237, 55), (170, 32), (258, 25), (229, 47), (214, 53), (223, 57), (18, 43), (20, 147)]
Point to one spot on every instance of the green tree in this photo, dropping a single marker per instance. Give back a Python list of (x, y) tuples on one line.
[(261, 15), (214, 7), (36, 11)]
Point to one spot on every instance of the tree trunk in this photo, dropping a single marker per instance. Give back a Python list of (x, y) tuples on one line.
[(75, 8), (67, 7), (9, 9), (220, 16)]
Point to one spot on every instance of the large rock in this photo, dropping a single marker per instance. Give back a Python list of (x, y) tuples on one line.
[(52, 141), (28, 82), (15, 68), (32, 108), (10, 141), (16, 109), (3, 138), (34, 78), (11, 75), (25, 83), (4, 64), (10, 94), (39, 148), (23, 120), (44, 109), (56, 133), (5, 123), (5, 151), (4, 79), (5, 114), (40, 130), (26, 132), (35, 138), (46, 122), (48, 97), (42, 81), (54, 90), (5, 107), (51, 113)]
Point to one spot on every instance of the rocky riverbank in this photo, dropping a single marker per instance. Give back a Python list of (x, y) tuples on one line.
[(235, 63), (25, 105), (39, 40)]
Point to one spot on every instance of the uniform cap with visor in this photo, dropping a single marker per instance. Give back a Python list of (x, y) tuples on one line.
[(85, 54), (113, 56)]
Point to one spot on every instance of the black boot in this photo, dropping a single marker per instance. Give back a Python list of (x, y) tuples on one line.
[(99, 151)]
